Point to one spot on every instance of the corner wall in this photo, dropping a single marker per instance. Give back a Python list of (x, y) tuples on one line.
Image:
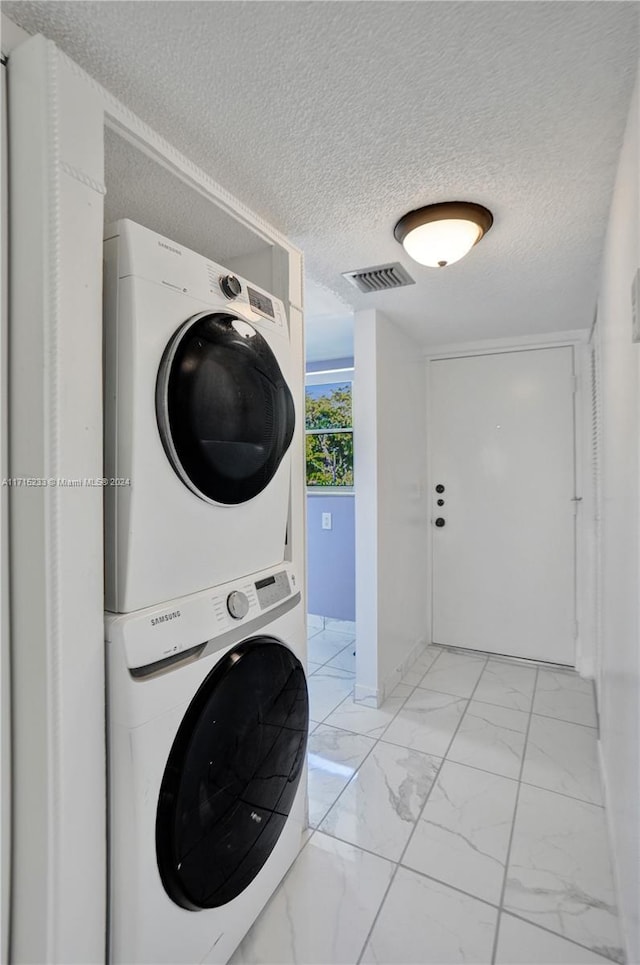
[(392, 586), (620, 649)]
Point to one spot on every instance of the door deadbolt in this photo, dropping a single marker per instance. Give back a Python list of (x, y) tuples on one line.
[(440, 521), (441, 502), (439, 488)]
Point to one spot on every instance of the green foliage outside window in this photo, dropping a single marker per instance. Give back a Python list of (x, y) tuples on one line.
[(329, 454)]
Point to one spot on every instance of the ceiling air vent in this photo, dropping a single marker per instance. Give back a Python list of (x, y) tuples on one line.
[(380, 278)]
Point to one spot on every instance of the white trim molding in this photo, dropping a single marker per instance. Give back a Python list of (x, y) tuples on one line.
[(55, 419), (517, 343), (612, 842)]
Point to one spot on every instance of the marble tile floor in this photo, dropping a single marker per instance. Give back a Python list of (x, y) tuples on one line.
[(462, 821)]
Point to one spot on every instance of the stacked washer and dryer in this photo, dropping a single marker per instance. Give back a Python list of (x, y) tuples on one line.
[(207, 697)]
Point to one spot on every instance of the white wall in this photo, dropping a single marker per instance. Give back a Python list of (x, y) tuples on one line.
[(620, 657), (392, 585)]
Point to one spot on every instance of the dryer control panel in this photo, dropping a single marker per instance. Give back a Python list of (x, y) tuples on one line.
[(145, 254)]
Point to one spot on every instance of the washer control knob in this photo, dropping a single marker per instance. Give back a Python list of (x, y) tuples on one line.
[(238, 604), (230, 286)]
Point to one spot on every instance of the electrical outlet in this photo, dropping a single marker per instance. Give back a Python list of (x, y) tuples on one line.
[(326, 520)]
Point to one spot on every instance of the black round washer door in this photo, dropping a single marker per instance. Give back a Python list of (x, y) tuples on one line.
[(224, 410), (232, 774)]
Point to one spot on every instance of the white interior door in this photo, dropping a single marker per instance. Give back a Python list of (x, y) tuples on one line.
[(502, 445)]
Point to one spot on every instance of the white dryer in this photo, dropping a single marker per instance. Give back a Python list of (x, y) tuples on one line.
[(199, 417), (208, 719)]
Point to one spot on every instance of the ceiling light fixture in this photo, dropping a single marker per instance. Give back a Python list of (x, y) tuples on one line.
[(440, 234)]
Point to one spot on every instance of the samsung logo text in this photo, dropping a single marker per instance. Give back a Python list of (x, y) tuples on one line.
[(176, 251), (165, 617)]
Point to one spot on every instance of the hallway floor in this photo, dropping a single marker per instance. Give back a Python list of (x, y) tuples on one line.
[(461, 822)]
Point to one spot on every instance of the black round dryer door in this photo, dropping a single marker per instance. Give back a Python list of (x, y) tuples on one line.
[(224, 410), (232, 774)]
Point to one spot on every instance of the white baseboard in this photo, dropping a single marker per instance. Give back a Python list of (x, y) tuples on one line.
[(396, 675), (586, 667), (369, 694), (608, 816), (380, 694)]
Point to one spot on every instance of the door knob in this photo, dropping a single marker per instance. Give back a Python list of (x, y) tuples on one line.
[(440, 521), (441, 502), (439, 488)]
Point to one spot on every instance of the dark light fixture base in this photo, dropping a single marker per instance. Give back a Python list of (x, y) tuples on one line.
[(444, 211)]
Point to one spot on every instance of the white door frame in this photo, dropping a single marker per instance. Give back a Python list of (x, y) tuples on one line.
[(577, 339)]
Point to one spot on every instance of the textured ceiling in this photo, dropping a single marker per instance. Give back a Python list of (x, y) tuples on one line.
[(333, 119)]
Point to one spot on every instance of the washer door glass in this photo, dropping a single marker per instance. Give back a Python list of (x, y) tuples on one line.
[(224, 410), (232, 774)]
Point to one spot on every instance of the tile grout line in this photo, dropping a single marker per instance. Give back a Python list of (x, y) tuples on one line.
[(342, 700), (496, 936), (505, 777), (354, 701), (398, 863), (488, 703), (555, 934), (569, 797), (381, 740), (333, 804), (320, 665), (376, 740), (443, 759), (563, 720)]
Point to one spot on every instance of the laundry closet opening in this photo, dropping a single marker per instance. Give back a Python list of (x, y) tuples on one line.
[(331, 484), (208, 711)]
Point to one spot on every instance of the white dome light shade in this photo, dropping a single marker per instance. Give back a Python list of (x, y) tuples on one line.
[(442, 234), (440, 243)]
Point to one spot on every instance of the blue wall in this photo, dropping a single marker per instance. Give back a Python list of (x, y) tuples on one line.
[(331, 556), (331, 561)]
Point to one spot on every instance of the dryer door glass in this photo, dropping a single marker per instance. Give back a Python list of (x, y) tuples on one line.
[(232, 774), (224, 409)]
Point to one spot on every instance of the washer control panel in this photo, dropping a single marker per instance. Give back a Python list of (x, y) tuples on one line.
[(238, 604), (164, 631), (272, 589)]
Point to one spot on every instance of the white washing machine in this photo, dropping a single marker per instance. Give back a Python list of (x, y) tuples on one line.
[(208, 719), (199, 418)]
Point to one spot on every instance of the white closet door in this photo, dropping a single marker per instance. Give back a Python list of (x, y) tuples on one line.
[(502, 445)]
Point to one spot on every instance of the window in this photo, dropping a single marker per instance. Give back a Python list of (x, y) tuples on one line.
[(329, 427)]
